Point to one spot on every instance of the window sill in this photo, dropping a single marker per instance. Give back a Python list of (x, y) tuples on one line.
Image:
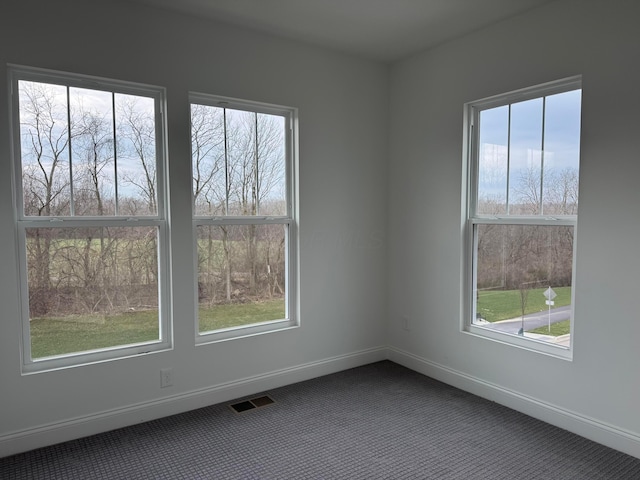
[(232, 333), (530, 343), (80, 359)]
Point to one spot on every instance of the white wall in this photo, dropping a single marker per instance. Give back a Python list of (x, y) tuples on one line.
[(597, 393), (343, 111), (348, 209)]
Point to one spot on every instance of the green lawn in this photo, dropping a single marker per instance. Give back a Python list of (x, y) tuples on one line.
[(557, 329), (235, 315), (59, 336), (496, 305)]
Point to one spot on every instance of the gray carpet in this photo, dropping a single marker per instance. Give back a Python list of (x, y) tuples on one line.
[(373, 422)]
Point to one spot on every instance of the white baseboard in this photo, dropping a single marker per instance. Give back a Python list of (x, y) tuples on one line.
[(600, 432), (70, 429), (29, 439)]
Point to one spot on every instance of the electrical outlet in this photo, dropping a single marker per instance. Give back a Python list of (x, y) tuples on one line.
[(406, 324), (166, 377)]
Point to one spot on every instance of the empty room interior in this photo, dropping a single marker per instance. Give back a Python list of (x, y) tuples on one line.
[(369, 243)]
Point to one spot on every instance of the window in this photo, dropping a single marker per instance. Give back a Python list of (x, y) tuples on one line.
[(244, 216), (91, 217), (524, 151)]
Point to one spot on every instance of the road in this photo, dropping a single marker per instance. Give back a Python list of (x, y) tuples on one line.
[(532, 320)]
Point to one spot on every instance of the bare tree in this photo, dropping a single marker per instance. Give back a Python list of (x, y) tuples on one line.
[(504, 252), (561, 194), (137, 169), (208, 159), (210, 186), (555, 191), (44, 145), (136, 150), (92, 150), (68, 160), (528, 191), (238, 169), (258, 160)]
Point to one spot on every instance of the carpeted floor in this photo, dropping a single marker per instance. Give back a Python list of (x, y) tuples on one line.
[(380, 421)]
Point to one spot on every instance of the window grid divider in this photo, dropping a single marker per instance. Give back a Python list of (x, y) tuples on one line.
[(474, 219)]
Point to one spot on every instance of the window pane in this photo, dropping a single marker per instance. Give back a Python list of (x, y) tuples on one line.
[(241, 275), (561, 153), (208, 160), (493, 161), (110, 173), (242, 166), (92, 152), (525, 158), (136, 149), (238, 162), (44, 147), (515, 265), (91, 288), (271, 165)]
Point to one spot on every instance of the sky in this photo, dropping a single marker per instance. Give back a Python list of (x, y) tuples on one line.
[(101, 105), (527, 135)]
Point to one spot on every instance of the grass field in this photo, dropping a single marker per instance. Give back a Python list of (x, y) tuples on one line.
[(235, 315), (496, 305), (557, 329), (59, 336)]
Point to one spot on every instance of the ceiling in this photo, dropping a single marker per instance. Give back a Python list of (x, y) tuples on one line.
[(384, 30)]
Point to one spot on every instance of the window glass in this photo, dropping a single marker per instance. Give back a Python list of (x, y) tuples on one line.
[(91, 288), (521, 224), (241, 275), (515, 265), (92, 235), (242, 165), (44, 141), (493, 161), (525, 158), (561, 153)]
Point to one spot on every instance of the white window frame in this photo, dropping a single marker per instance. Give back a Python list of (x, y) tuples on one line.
[(290, 220), (471, 219), (23, 222)]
